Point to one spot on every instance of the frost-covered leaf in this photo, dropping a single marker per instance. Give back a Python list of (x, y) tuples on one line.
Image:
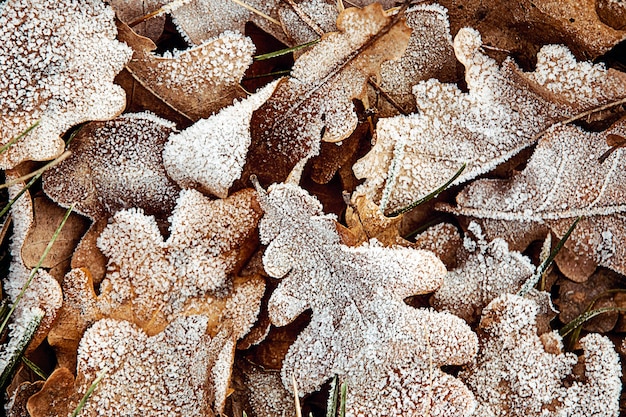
[(315, 102), (115, 165), (266, 394), (211, 153), (200, 20), (486, 270), (43, 295), (150, 281), (429, 54), (563, 180), (195, 82), (523, 27), (180, 371), (130, 10), (58, 60), (361, 329), (503, 112), (518, 373)]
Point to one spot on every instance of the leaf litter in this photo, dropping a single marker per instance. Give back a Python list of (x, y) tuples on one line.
[(162, 288)]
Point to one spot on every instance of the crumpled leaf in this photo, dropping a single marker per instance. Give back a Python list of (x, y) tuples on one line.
[(210, 154), (115, 165), (316, 101), (523, 27), (48, 73), (16, 404), (518, 373), (180, 371), (266, 394), (429, 54), (563, 180), (150, 281), (486, 271), (503, 113), (360, 329), (195, 82)]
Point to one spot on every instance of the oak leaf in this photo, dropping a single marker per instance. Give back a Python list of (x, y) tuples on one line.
[(564, 179), (129, 11), (195, 82), (360, 329), (503, 112), (180, 371), (315, 102), (150, 282), (518, 373), (486, 270), (49, 73)]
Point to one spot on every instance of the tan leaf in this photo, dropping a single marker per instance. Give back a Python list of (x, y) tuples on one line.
[(517, 373), (361, 330), (563, 180), (503, 112), (48, 73), (150, 281), (523, 27), (130, 10), (316, 101), (47, 217), (195, 82), (180, 371)]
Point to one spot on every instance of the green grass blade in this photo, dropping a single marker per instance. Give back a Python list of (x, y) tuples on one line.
[(18, 137), (90, 391), (33, 367), (285, 51), (19, 349), (430, 196), (36, 269), (333, 398), (344, 396), (269, 74), (585, 317), (534, 279)]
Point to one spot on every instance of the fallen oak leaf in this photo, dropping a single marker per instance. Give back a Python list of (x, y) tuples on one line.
[(518, 373), (195, 82), (180, 371), (504, 112), (361, 329), (562, 180), (129, 11), (150, 281), (49, 76), (315, 102)]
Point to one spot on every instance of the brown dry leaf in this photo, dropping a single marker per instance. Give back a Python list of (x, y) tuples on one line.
[(47, 217), (613, 13), (519, 374), (266, 394), (316, 101), (361, 330), (563, 180), (150, 281), (429, 54), (16, 405), (522, 27), (130, 10), (48, 73), (575, 298), (503, 112), (486, 270), (115, 165), (180, 371), (195, 82)]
